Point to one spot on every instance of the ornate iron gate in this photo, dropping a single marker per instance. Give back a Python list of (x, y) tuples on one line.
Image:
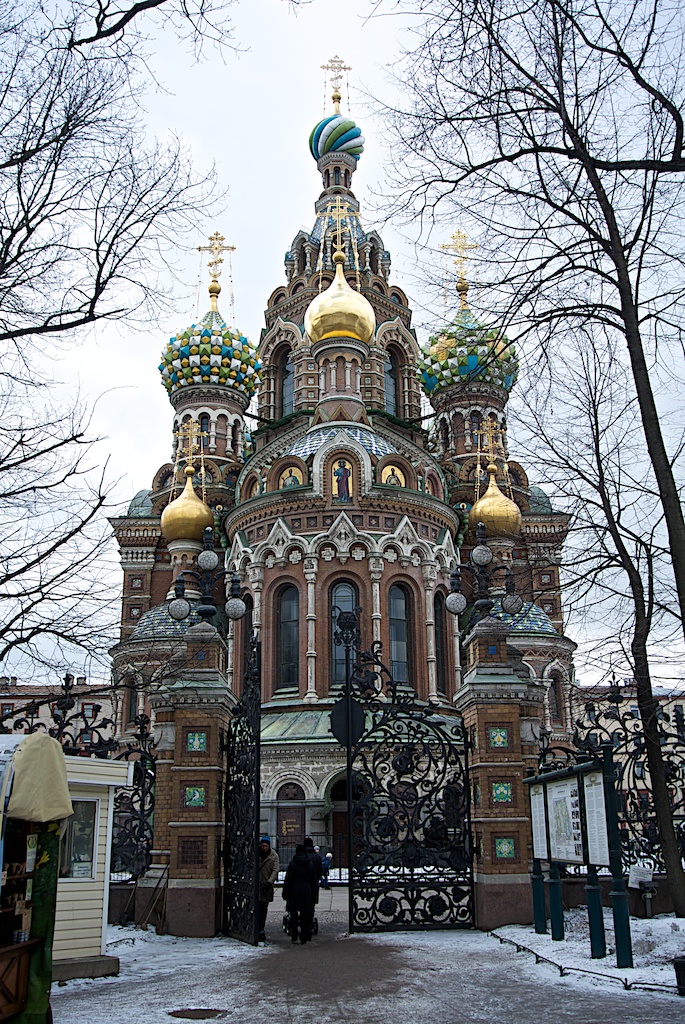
[(411, 854), (241, 868)]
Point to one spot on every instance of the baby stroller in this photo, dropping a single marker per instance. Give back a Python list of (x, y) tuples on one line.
[(286, 924)]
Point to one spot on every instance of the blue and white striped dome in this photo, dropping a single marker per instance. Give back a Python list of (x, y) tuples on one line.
[(336, 134)]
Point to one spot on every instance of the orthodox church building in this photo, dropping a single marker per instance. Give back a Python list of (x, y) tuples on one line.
[(309, 456)]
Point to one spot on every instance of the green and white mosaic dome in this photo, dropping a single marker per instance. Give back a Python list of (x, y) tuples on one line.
[(210, 353), (465, 352)]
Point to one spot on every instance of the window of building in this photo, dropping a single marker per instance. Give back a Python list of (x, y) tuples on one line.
[(556, 699), (288, 644), (336, 175), (440, 642), (285, 405), (344, 598), (204, 431), (88, 711), (390, 371), (290, 791), (247, 626), (132, 703), (399, 634), (77, 846), (475, 428), (6, 709)]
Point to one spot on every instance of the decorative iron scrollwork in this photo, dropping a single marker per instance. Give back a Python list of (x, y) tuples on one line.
[(83, 733), (411, 842), (612, 716), (241, 873), (134, 806)]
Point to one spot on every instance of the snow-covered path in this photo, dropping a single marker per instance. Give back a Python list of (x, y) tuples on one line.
[(412, 978)]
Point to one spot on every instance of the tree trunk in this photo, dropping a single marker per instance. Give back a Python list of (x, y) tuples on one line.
[(649, 708)]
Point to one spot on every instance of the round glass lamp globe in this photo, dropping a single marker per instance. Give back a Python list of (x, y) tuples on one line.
[(179, 608), (481, 555), (512, 604), (235, 608), (455, 603), (207, 560)]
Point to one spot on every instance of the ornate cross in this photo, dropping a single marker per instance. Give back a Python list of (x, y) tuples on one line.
[(189, 435), (336, 66), (216, 247), (460, 246)]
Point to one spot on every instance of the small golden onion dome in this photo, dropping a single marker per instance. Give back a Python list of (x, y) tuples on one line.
[(187, 517), (340, 311), (500, 515)]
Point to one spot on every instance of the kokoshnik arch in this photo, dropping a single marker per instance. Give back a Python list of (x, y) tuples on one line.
[(337, 497)]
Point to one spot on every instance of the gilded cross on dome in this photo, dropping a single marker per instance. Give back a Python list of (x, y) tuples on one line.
[(460, 246), (216, 247), (189, 434), (335, 69)]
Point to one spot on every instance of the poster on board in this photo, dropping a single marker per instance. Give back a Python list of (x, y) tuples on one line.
[(565, 833), (596, 820), (537, 814)]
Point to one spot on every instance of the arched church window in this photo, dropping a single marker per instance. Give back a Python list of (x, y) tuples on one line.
[(390, 372), (235, 438), (440, 618), (475, 428), (285, 395), (348, 179), (328, 179), (290, 791), (400, 631), (246, 625), (288, 638), (336, 175), (555, 698), (344, 598), (444, 436), (204, 431)]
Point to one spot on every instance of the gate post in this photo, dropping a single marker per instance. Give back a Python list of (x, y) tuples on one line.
[(193, 707), (501, 710)]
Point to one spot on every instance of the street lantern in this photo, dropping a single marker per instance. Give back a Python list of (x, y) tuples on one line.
[(480, 562), (207, 562)]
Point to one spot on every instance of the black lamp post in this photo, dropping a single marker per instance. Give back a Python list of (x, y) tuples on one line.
[(206, 577), (481, 567)]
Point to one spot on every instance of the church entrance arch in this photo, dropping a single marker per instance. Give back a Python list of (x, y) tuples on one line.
[(290, 820)]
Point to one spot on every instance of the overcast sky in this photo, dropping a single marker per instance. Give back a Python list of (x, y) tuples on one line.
[(251, 113)]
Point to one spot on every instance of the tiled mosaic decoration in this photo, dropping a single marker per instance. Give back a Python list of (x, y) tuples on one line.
[(502, 792), (499, 738), (311, 443), (196, 741), (194, 796), (505, 848)]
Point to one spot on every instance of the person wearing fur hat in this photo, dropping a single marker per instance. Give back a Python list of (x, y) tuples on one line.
[(268, 873)]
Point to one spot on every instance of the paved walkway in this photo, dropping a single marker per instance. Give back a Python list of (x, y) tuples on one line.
[(458, 977)]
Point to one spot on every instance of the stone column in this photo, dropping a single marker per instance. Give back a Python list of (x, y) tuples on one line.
[(376, 566), (311, 568), (429, 570)]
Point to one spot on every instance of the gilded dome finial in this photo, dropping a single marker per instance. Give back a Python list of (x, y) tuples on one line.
[(216, 247), (501, 515), (460, 245)]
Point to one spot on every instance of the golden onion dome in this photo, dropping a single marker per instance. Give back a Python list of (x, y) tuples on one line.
[(340, 311), (500, 515), (187, 517)]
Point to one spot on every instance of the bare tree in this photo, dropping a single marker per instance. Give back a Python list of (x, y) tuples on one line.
[(584, 436), (554, 130), (56, 602)]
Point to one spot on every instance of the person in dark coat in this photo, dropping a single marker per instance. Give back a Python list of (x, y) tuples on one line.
[(298, 893), (316, 862)]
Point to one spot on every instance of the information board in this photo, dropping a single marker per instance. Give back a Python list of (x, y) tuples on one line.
[(537, 814), (565, 833), (596, 820)]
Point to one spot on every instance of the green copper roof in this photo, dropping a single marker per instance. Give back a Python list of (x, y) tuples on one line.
[(304, 726)]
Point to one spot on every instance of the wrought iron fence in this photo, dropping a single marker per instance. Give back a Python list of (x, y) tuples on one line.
[(611, 714), (84, 733)]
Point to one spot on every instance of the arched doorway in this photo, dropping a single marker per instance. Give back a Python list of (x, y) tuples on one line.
[(338, 802), (290, 819)]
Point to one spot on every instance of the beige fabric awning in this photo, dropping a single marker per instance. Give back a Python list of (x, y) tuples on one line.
[(40, 791)]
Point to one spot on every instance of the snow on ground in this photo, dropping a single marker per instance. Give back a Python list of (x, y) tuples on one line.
[(655, 944)]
